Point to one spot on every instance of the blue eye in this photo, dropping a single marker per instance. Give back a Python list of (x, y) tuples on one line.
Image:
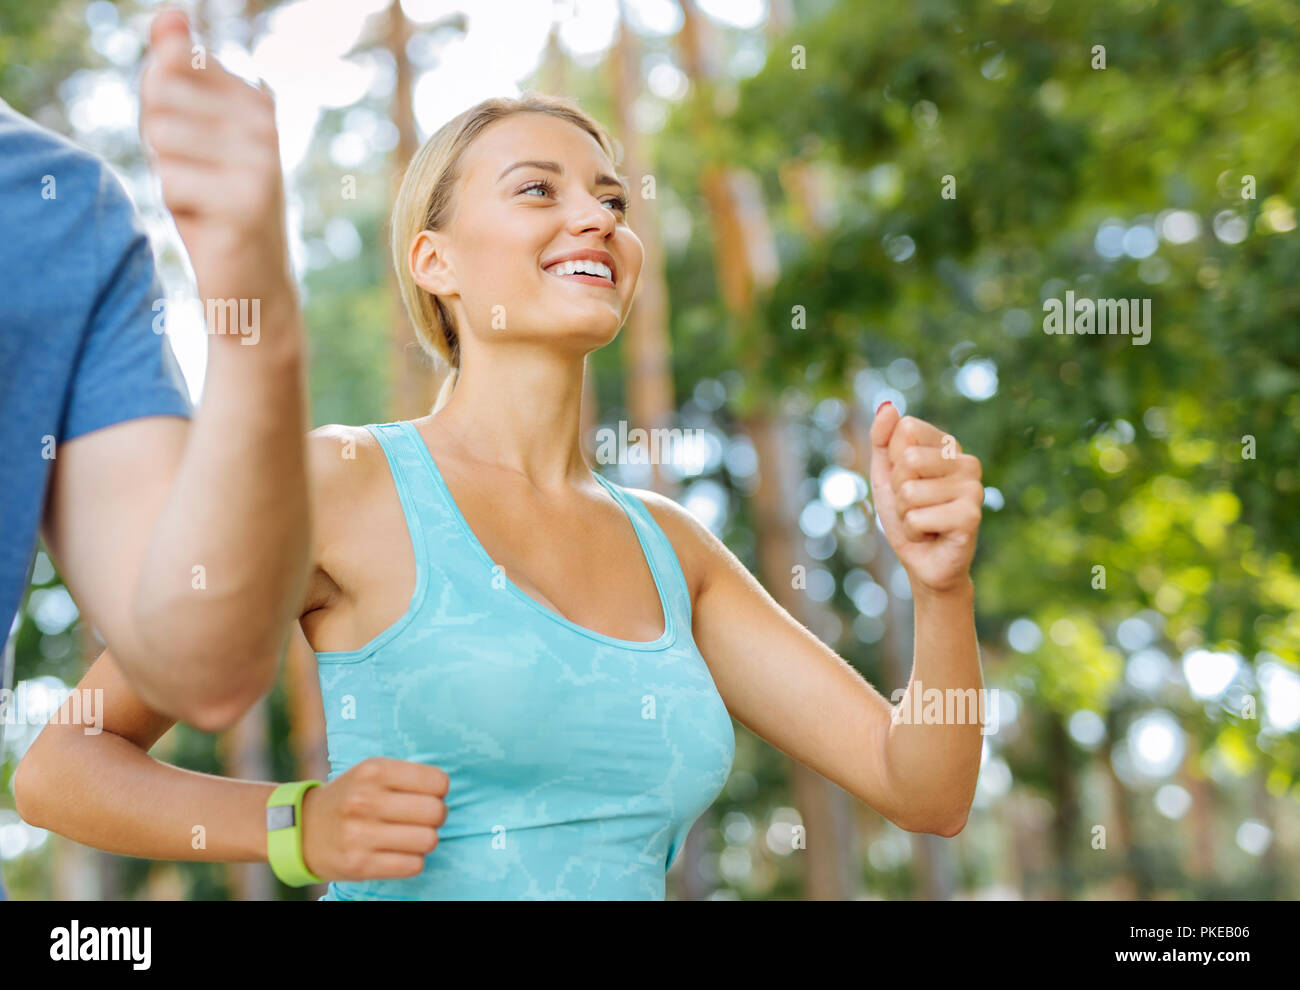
[(618, 202), (540, 184)]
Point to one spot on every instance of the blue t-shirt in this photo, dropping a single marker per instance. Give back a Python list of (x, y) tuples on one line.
[(78, 348)]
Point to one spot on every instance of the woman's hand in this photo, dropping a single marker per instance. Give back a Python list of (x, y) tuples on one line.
[(377, 820), (928, 496)]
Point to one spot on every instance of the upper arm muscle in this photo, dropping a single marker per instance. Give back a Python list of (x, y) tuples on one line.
[(106, 490)]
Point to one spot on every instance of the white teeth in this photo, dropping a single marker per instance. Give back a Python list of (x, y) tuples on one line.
[(584, 267)]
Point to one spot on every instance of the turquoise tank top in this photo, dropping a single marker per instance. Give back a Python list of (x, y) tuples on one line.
[(577, 762)]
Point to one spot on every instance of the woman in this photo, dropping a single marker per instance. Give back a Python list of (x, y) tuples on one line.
[(529, 672)]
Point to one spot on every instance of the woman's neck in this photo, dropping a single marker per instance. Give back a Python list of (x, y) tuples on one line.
[(519, 411)]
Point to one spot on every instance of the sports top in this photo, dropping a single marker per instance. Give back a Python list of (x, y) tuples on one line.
[(577, 761)]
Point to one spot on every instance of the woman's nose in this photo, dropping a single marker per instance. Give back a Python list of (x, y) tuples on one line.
[(595, 216)]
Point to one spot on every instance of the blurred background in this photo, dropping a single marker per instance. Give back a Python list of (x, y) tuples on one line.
[(840, 203)]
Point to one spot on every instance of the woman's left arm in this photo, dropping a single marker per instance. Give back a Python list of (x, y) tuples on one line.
[(790, 688)]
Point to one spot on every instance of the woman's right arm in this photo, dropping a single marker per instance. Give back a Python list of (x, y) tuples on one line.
[(95, 782)]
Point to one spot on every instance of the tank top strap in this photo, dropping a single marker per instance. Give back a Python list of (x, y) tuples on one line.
[(659, 551), (418, 498)]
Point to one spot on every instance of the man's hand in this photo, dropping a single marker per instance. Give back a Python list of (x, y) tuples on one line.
[(928, 496), (216, 150)]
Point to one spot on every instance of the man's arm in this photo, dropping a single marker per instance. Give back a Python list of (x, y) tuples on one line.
[(187, 545)]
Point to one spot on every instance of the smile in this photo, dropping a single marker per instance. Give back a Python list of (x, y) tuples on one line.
[(587, 272)]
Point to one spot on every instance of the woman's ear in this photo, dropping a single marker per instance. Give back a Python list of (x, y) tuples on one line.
[(429, 265)]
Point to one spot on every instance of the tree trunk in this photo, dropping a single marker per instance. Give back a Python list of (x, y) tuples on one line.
[(1065, 801), (1201, 847), (78, 874), (830, 860), (243, 749), (1275, 877), (164, 883), (413, 381), (552, 77), (646, 346), (1121, 838)]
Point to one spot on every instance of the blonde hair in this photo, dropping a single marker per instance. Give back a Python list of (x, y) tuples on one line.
[(425, 202)]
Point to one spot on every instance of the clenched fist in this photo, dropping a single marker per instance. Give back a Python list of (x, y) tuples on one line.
[(213, 142), (377, 820), (928, 496)]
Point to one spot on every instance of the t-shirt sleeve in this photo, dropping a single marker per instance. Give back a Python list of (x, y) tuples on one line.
[(126, 368)]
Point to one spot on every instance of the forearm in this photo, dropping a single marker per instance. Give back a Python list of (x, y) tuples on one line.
[(225, 567), (104, 791), (933, 743)]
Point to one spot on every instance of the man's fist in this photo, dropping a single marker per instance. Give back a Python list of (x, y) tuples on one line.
[(928, 496), (377, 820), (213, 142)]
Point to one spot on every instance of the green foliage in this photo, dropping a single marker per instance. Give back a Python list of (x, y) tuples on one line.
[(1133, 458)]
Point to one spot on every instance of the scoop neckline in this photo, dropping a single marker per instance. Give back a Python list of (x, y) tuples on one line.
[(665, 639)]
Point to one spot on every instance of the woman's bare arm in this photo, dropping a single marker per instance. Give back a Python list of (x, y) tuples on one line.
[(99, 786), (787, 686), (379, 819)]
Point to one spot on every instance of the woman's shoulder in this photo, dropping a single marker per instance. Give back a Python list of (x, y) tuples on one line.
[(338, 437), (345, 466)]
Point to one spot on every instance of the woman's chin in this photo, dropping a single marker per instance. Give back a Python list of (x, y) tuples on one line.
[(597, 328)]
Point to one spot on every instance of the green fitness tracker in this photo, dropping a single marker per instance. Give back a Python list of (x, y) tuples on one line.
[(284, 833)]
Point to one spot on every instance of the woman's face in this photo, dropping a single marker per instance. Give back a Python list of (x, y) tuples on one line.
[(511, 221)]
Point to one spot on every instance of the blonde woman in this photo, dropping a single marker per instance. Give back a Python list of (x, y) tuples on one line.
[(529, 672)]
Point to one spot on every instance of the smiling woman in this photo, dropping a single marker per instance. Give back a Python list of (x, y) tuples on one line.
[(529, 672)]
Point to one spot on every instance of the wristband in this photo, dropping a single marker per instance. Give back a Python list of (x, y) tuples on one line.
[(284, 833)]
